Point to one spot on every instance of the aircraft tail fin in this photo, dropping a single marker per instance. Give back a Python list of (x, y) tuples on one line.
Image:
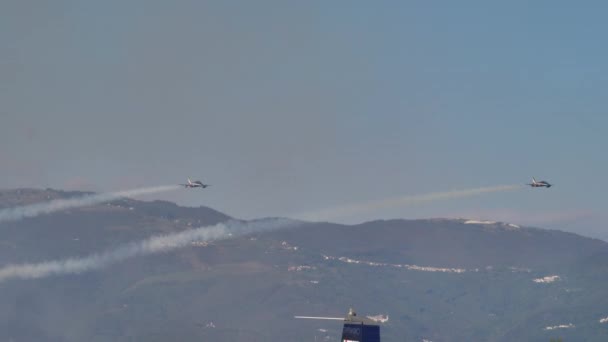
[(533, 180), (189, 181)]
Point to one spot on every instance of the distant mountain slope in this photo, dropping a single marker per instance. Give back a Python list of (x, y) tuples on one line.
[(439, 280), (451, 243)]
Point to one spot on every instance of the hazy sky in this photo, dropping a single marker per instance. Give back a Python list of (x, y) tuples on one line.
[(292, 106)]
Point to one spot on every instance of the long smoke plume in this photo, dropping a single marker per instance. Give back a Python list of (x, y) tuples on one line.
[(358, 208), (32, 210), (165, 243), (153, 245)]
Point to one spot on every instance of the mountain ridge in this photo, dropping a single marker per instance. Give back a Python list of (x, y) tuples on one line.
[(437, 279)]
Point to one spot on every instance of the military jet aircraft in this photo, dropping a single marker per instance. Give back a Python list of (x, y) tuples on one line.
[(539, 184), (195, 184)]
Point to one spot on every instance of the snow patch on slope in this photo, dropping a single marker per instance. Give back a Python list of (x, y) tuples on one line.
[(487, 222), (405, 266), (300, 268), (547, 279), (561, 326), (479, 222)]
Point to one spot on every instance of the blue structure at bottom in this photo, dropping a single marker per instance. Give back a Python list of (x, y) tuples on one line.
[(358, 329)]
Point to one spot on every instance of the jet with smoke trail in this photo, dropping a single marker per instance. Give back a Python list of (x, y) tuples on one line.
[(153, 245), (358, 208), (164, 243), (33, 210)]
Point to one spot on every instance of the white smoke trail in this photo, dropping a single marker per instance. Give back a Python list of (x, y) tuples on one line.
[(152, 245), (32, 210), (358, 208)]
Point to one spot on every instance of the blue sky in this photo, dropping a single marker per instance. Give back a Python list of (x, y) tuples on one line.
[(289, 107)]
